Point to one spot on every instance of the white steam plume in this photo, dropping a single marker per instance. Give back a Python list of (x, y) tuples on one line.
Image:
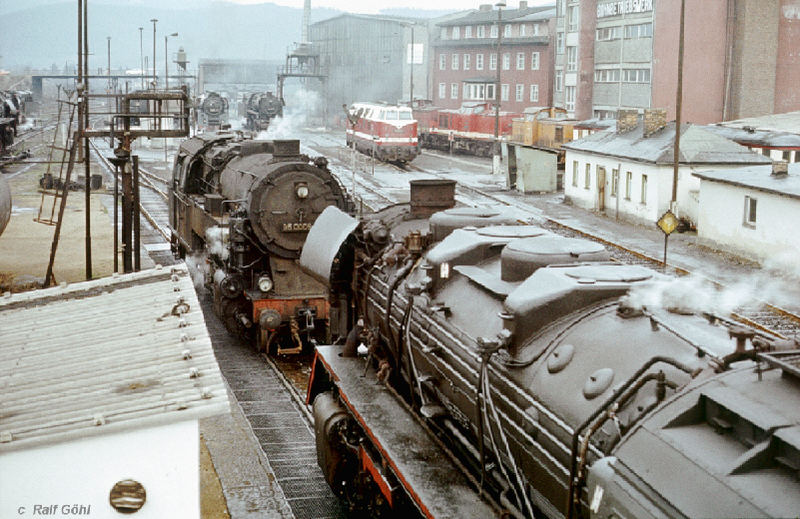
[(198, 269), (302, 106), (216, 242)]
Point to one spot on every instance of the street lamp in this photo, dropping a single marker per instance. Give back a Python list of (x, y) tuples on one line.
[(496, 158), (155, 81), (141, 56), (166, 62)]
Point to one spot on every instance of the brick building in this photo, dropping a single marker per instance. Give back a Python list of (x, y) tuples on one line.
[(465, 57), (741, 57)]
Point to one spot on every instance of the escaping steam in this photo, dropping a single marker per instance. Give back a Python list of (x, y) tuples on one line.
[(216, 238), (198, 269), (302, 106)]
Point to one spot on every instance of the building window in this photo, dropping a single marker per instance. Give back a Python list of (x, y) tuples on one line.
[(504, 92), (559, 43), (643, 30), (493, 32), (608, 33), (636, 75), (628, 182), (644, 189), (468, 31), (519, 92), (453, 90), (749, 211), (456, 33), (605, 114), (454, 62), (467, 59), (572, 18), (522, 30), (442, 61), (478, 61), (614, 181), (444, 33), (506, 61), (796, 156), (587, 176), (569, 99), (786, 155), (490, 91), (534, 94), (572, 58), (507, 31), (607, 75), (492, 61), (481, 31), (575, 173), (559, 81), (536, 29), (520, 61), (534, 61), (442, 90)]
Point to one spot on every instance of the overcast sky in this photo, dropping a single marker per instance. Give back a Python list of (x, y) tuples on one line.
[(374, 6)]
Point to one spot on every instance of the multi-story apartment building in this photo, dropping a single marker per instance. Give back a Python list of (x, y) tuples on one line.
[(741, 57), (465, 57)]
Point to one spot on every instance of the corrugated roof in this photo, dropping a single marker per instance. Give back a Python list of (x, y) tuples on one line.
[(104, 356), (759, 178), (698, 146)]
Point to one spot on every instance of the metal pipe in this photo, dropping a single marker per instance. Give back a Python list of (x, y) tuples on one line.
[(678, 103), (88, 173), (141, 56), (155, 81), (116, 219), (136, 219)]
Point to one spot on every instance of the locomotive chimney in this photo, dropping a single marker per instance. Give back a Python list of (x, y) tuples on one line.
[(429, 196), (286, 148), (306, 16)]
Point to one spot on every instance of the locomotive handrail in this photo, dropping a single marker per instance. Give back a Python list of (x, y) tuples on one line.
[(574, 495)]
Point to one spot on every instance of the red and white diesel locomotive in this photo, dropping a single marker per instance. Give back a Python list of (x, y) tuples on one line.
[(387, 131), (469, 129)]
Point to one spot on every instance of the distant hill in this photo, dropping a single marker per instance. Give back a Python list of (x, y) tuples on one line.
[(44, 33)]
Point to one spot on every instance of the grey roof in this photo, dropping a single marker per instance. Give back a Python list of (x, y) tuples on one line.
[(759, 178), (698, 146), (541, 15), (375, 18), (104, 356), (785, 122), (596, 124), (486, 17), (757, 138)]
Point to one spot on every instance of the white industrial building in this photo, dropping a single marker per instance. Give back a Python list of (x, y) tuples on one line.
[(629, 172), (752, 211), (102, 384)]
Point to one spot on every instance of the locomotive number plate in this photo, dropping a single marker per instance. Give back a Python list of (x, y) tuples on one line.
[(296, 227)]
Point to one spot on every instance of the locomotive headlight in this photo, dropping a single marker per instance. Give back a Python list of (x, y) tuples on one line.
[(265, 283), (302, 191)]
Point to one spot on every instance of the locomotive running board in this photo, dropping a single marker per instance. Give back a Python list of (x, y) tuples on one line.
[(426, 472)]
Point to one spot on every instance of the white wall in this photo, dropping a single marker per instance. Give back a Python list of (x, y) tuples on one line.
[(722, 214), (163, 459)]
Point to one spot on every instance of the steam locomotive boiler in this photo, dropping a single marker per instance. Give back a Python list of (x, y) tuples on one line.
[(262, 108), (513, 372), (246, 206), (211, 111)]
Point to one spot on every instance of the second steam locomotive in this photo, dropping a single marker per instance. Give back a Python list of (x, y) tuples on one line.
[(248, 205), (512, 372)]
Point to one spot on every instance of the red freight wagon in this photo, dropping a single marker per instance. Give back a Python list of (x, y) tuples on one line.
[(470, 129), (390, 132)]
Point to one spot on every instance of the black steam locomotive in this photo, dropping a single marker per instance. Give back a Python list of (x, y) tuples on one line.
[(523, 367), (12, 110), (246, 206), (262, 107), (211, 111)]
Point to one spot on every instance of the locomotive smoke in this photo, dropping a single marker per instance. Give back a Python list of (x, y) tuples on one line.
[(300, 107), (215, 241), (198, 269)]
